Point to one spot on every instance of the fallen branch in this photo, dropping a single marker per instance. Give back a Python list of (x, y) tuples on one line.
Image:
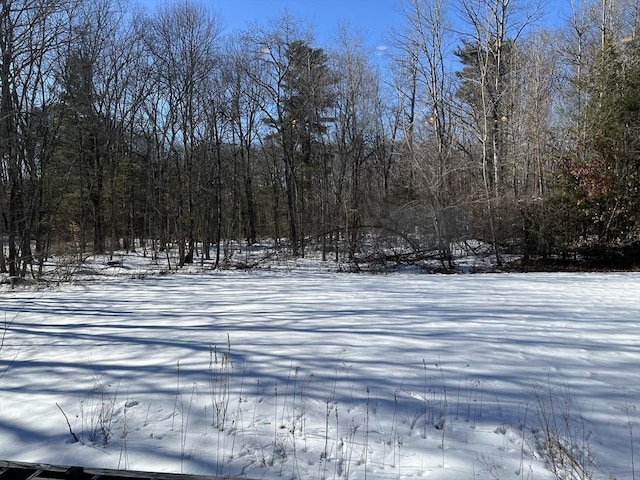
[(75, 437)]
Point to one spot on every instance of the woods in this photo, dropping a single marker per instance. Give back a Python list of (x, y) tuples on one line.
[(122, 129)]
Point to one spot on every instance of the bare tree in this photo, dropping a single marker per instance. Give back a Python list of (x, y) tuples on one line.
[(181, 43), (291, 76), (488, 53), (244, 109), (351, 173), (99, 86), (535, 89), (31, 32), (426, 39)]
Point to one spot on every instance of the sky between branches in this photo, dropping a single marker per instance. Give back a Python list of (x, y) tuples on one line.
[(374, 19)]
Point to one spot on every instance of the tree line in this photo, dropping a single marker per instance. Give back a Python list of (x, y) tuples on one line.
[(123, 129)]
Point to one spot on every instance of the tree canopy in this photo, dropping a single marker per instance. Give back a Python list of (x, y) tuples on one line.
[(128, 130)]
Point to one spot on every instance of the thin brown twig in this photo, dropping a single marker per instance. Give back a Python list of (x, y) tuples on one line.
[(75, 437)]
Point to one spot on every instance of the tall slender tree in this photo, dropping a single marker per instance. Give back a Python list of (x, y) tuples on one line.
[(181, 41), (353, 176), (488, 55), (294, 85), (426, 39), (31, 32)]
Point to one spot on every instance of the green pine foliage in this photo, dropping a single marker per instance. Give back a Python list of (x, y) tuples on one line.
[(605, 167)]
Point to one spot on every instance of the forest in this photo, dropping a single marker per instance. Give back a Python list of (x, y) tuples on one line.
[(481, 126)]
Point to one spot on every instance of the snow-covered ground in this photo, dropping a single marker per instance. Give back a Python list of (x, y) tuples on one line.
[(322, 375)]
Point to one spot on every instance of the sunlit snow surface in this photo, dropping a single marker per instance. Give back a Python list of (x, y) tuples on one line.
[(329, 375)]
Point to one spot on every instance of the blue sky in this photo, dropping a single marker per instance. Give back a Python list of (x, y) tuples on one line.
[(374, 18)]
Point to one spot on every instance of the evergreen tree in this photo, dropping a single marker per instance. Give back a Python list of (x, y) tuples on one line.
[(83, 143), (307, 84), (606, 167), (296, 81)]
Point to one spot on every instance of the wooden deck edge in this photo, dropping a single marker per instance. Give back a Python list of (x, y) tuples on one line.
[(10, 470)]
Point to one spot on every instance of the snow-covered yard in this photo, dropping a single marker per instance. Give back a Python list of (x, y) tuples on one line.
[(326, 375)]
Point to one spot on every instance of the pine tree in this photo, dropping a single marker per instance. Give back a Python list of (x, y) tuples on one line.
[(307, 84), (606, 166)]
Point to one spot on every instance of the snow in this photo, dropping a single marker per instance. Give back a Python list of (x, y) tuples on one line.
[(302, 374)]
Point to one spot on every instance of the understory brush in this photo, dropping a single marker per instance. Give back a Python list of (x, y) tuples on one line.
[(561, 432), (4, 330), (98, 416)]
